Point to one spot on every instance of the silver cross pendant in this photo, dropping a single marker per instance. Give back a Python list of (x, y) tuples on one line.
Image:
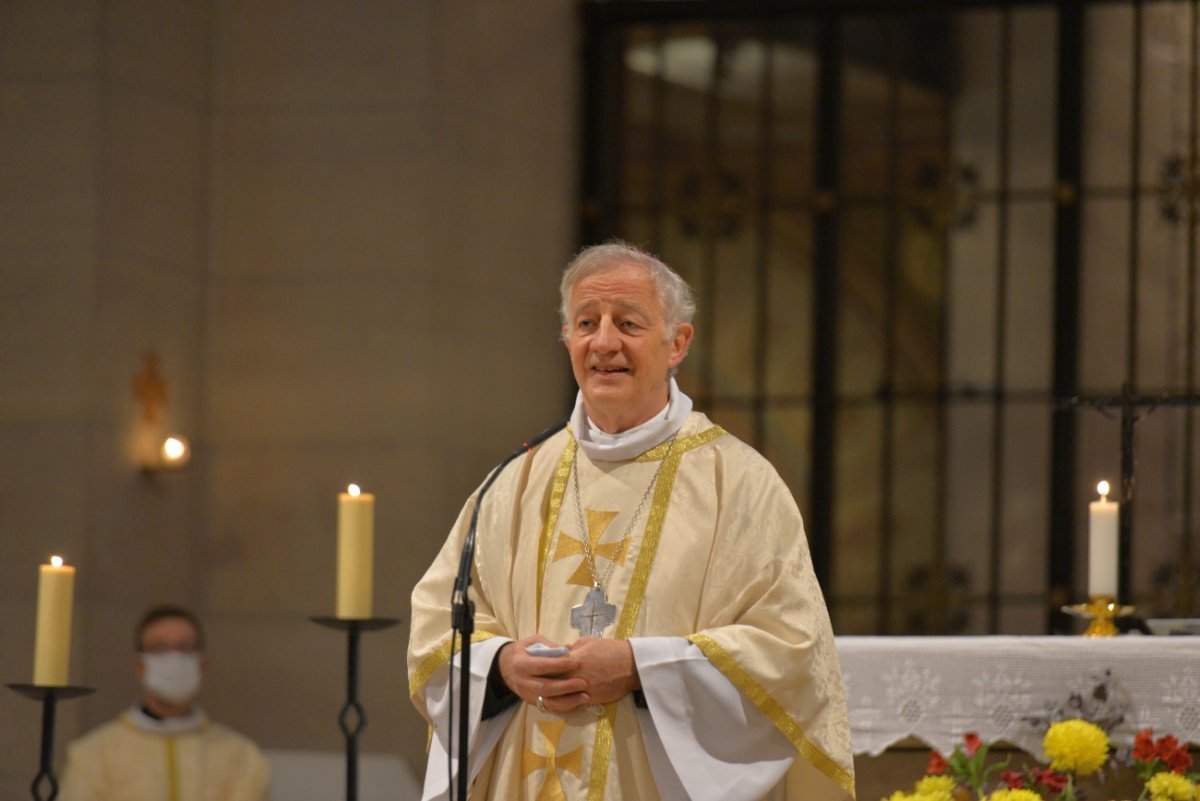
[(594, 615)]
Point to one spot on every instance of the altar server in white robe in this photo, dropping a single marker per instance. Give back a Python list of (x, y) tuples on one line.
[(671, 560), (165, 748)]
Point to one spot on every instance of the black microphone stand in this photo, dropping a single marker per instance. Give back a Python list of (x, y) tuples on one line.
[(462, 617)]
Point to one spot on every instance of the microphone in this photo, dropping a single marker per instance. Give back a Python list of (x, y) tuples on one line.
[(462, 615)]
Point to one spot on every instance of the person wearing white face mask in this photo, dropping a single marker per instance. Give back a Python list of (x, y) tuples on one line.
[(165, 748)]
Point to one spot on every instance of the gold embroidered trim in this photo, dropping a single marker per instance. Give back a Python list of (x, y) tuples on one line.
[(557, 491), (682, 446), (438, 657), (654, 525), (772, 709), (172, 769), (602, 749), (653, 533), (601, 753)]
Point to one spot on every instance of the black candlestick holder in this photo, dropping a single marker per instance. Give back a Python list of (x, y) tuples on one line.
[(353, 718), (45, 780)]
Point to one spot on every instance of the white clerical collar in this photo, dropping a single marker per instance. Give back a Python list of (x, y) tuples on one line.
[(193, 721), (604, 447)]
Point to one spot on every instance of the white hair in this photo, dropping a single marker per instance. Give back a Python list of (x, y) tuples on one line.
[(674, 294)]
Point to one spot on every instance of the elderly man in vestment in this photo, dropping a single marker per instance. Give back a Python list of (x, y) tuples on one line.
[(668, 557)]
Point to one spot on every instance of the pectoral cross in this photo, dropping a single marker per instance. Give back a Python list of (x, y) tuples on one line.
[(593, 615)]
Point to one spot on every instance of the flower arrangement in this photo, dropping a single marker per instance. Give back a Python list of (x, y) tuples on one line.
[(1074, 749), (966, 768), (1163, 765)]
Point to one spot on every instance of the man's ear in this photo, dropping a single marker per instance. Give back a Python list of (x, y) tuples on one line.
[(680, 344)]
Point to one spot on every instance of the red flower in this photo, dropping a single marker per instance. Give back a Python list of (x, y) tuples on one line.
[(1013, 779), (972, 742), (1165, 747), (937, 764), (1179, 761), (1052, 780), (1143, 745)]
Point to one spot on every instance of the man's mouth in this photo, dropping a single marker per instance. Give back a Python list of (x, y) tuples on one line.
[(609, 370)]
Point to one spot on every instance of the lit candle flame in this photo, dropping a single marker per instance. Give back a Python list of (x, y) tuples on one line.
[(57, 561), (1102, 488), (354, 490)]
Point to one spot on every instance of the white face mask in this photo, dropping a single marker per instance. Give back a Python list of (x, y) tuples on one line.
[(172, 676)]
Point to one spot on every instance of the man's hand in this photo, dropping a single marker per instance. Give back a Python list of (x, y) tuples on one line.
[(607, 667), (553, 678)]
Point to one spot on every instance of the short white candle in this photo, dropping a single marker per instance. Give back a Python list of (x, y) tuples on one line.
[(356, 542), (1102, 544), (52, 638)]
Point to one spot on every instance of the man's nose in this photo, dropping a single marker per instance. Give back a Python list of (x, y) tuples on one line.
[(606, 339)]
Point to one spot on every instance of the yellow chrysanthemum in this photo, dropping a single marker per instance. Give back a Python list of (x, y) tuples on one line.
[(936, 785), (940, 795), (1167, 786), (1014, 795), (899, 795), (1076, 746)]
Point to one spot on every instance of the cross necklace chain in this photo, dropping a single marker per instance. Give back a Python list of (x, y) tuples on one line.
[(595, 614)]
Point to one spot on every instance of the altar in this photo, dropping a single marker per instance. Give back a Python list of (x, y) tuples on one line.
[(909, 695)]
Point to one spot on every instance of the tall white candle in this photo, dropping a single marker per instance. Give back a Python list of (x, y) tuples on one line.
[(52, 637), (356, 543), (1102, 544)]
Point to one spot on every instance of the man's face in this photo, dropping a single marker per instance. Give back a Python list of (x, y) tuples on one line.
[(165, 635), (170, 665), (620, 352)]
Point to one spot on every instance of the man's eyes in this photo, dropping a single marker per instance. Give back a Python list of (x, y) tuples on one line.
[(164, 648), (624, 325)]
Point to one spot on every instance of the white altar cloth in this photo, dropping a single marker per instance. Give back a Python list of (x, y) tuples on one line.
[(936, 689)]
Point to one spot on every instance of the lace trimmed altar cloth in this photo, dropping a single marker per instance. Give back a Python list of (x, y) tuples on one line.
[(936, 689)]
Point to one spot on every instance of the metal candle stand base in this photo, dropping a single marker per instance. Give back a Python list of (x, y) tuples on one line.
[(45, 781), (353, 718)]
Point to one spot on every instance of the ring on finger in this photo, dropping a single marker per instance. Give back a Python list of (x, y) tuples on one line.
[(541, 704)]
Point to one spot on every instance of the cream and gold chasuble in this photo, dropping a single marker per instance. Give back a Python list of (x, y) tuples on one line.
[(121, 761), (718, 556)]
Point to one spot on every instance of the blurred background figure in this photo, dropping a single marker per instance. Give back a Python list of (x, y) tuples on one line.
[(165, 747)]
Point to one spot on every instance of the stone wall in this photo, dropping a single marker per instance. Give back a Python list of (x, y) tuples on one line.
[(339, 226)]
